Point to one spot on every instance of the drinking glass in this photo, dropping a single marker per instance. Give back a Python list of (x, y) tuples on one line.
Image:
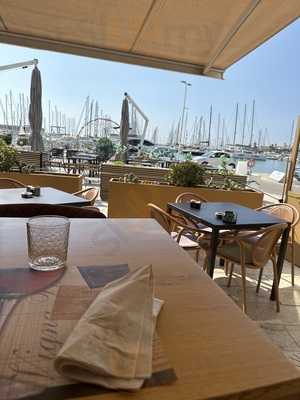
[(48, 239)]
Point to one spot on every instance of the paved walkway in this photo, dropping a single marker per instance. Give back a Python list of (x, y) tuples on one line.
[(282, 328)]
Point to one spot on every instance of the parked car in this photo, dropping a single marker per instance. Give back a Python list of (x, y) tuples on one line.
[(212, 158)]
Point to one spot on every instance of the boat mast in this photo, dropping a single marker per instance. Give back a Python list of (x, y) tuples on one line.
[(218, 130), (96, 125), (6, 110), (185, 127), (209, 126), (244, 124), (223, 133), (252, 123), (11, 109), (259, 138), (200, 130), (195, 129), (265, 137), (86, 118), (235, 124)]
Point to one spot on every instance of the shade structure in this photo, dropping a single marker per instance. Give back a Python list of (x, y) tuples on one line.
[(124, 127), (35, 111), (195, 36)]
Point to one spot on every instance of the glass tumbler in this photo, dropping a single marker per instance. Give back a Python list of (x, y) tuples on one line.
[(48, 239)]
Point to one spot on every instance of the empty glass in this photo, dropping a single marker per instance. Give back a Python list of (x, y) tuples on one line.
[(48, 239)]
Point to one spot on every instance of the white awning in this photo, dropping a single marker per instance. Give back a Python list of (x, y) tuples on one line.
[(200, 37)]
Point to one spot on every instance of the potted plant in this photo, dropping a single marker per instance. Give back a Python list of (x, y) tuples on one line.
[(8, 156), (187, 174), (129, 196)]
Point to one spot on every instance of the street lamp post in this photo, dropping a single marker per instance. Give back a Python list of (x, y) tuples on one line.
[(186, 84)]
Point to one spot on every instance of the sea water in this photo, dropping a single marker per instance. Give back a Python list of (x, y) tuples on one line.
[(268, 166)]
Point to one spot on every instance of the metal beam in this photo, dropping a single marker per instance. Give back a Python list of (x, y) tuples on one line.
[(230, 35), (146, 19), (107, 54)]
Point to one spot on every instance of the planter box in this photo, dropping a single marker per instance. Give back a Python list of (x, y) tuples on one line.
[(66, 182), (109, 171), (129, 200)]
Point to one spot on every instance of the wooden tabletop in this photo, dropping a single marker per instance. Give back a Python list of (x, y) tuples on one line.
[(48, 195), (247, 218), (217, 352)]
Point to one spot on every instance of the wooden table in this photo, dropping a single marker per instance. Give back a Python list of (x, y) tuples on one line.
[(215, 350), (247, 219), (48, 195)]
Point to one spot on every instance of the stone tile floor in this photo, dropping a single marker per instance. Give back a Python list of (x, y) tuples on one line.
[(282, 328)]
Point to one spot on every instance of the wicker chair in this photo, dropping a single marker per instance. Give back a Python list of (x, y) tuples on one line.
[(7, 183), (252, 250), (185, 235), (32, 210), (290, 214), (185, 198), (205, 230), (89, 194), (188, 196)]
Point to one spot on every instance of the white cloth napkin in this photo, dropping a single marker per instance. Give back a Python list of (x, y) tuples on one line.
[(111, 345)]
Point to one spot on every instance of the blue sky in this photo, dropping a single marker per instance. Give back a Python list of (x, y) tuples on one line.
[(270, 74)]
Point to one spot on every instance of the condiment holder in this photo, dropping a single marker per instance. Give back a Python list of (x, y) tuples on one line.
[(31, 191)]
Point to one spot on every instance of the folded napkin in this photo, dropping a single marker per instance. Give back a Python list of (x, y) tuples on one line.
[(111, 345)]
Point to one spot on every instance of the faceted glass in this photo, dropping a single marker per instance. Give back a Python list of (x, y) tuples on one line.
[(48, 239)]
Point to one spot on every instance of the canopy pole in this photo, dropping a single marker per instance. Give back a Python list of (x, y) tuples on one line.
[(293, 162)]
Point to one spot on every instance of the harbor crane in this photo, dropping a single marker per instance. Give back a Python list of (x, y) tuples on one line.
[(23, 65), (145, 118)]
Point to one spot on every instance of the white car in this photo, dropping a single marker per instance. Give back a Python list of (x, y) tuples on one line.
[(212, 159)]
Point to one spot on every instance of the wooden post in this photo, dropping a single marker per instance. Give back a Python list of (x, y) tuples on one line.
[(293, 161)]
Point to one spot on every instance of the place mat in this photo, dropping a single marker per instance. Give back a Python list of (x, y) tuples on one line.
[(38, 326), (97, 276)]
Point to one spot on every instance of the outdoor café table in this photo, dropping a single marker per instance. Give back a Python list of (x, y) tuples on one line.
[(247, 219), (48, 195), (215, 351)]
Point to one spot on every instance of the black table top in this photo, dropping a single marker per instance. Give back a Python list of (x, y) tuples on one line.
[(48, 195), (247, 218)]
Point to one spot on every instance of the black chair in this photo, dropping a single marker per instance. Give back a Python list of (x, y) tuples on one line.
[(32, 210)]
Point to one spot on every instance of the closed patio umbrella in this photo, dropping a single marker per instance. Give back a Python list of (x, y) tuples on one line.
[(124, 127), (35, 111)]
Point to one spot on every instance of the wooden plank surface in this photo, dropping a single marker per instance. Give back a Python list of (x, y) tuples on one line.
[(215, 350)]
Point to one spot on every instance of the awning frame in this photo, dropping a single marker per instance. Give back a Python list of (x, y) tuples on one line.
[(107, 54)]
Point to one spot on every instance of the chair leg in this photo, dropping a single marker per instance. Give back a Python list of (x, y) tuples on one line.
[(205, 263), (293, 263), (226, 267), (197, 255), (276, 285), (259, 279), (243, 270), (230, 273)]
